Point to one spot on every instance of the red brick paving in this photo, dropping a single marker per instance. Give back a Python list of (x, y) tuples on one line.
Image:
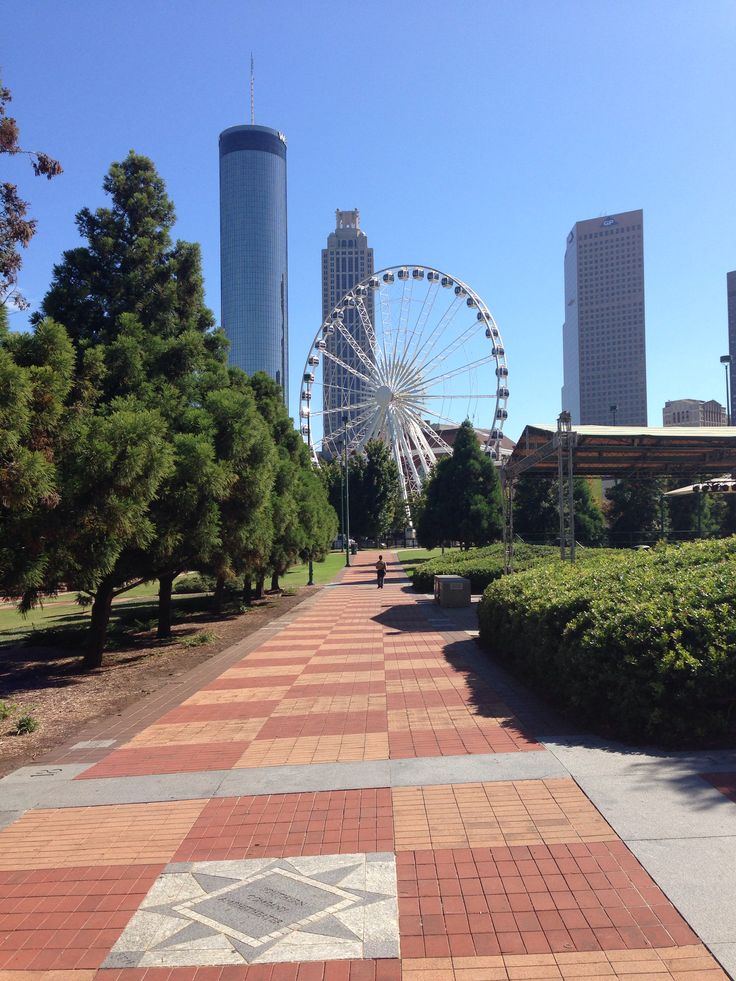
[(54, 919), (532, 900), (725, 782), (347, 642), (579, 905), (377, 970), (182, 758), (281, 825)]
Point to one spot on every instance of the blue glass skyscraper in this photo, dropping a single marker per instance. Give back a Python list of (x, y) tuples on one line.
[(253, 253)]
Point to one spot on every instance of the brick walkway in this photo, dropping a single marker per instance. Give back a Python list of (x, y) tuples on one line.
[(438, 873)]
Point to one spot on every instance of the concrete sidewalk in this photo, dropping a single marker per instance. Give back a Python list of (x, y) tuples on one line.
[(357, 793)]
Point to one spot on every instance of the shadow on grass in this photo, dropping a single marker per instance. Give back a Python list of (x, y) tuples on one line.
[(51, 655)]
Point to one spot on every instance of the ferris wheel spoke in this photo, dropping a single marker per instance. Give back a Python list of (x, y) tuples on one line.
[(351, 341), (441, 443), (438, 330), (450, 348), (424, 427), (352, 406), (347, 367), (423, 316), (470, 398), (419, 408), (404, 309), (459, 371), (406, 455), (385, 304), (367, 323), (421, 450), (373, 431)]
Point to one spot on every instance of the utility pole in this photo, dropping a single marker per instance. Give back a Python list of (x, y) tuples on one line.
[(726, 362), (347, 497)]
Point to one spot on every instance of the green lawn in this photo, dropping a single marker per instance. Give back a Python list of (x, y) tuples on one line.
[(410, 558), (62, 613), (323, 572)]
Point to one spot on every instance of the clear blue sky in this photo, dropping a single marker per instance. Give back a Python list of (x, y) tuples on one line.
[(471, 136)]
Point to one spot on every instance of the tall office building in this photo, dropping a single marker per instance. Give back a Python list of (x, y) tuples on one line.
[(253, 254), (603, 337), (731, 294), (346, 260)]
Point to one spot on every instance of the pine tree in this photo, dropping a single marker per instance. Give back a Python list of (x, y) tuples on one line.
[(634, 510), (536, 511), (133, 303), (462, 497)]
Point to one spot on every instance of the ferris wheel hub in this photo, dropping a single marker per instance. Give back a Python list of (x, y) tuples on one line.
[(383, 396)]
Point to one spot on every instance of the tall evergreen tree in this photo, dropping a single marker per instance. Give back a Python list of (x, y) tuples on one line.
[(375, 494), (294, 524), (133, 302), (243, 441), (634, 510), (35, 381), (16, 229), (462, 497), (536, 511)]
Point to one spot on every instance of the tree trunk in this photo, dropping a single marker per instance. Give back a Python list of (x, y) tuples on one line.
[(247, 590), (218, 597), (259, 587), (99, 620), (165, 584), (275, 582)]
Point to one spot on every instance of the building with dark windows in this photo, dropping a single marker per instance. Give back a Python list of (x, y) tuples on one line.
[(731, 296), (253, 253), (346, 260), (603, 336)]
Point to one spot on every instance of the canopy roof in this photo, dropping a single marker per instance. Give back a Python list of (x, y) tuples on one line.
[(618, 451)]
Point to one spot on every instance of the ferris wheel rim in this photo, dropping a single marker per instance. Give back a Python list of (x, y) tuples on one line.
[(367, 372)]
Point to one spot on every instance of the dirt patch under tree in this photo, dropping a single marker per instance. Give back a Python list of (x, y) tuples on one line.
[(48, 683)]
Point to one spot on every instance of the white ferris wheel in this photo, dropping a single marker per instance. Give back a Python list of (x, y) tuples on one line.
[(406, 355)]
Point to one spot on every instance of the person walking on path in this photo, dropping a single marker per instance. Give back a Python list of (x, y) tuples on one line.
[(380, 571)]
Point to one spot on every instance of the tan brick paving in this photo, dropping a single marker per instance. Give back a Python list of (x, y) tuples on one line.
[(500, 813), (691, 963), (116, 834)]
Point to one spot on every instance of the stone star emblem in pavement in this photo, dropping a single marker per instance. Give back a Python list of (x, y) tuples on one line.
[(311, 908)]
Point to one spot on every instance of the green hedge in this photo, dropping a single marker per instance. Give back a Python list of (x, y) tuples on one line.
[(481, 565), (639, 645)]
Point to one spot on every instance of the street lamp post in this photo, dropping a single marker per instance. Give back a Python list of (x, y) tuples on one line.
[(726, 362), (310, 581), (613, 408), (347, 497)]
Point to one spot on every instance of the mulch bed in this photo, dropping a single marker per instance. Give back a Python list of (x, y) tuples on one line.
[(49, 684)]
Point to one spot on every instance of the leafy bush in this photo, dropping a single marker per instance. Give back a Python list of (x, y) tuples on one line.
[(6, 710), (639, 644), (194, 582), (481, 565)]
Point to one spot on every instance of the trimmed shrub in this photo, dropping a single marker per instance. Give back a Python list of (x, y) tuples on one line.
[(480, 565), (640, 645), (193, 582)]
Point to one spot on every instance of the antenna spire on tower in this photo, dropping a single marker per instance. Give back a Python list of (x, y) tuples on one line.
[(252, 92)]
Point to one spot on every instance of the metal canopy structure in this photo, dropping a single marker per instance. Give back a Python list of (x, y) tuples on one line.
[(566, 451), (625, 451)]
